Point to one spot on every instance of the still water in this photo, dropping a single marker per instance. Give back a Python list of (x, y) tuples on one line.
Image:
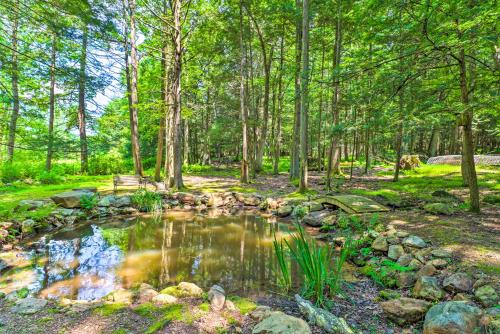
[(92, 260)]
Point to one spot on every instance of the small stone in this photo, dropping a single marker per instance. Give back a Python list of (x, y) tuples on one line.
[(427, 270), (28, 226), (322, 318), (405, 279), (28, 305), (438, 263), (441, 253), (280, 323), (482, 281), (146, 293), (164, 299), (395, 252), (107, 201), (122, 201), (190, 289), (121, 296), (319, 218), (405, 259), (428, 288), (260, 313), (415, 264), (452, 318), (402, 234), (284, 211), (405, 310), (414, 241), (393, 240), (380, 244), (217, 298), (462, 297), (458, 282), (486, 295)]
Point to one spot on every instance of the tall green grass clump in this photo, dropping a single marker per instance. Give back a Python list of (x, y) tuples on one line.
[(285, 279), (320, 268), (147, 201)]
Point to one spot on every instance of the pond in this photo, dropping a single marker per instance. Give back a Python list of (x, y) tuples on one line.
[(90, 261)]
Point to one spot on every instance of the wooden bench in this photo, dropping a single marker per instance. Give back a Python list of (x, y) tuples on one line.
[(130, 181)]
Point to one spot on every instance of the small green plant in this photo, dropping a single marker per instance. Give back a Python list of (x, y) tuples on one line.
[(147, 201), (285, 280), (299, 211), (89, 202), (51, 177)]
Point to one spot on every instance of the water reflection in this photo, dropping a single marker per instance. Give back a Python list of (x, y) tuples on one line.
[(89, 262)]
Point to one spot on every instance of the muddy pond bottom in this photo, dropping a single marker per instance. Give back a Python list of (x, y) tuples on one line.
[(92, 260)]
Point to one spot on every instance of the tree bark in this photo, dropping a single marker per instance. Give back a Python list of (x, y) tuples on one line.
[(81, 103), (244, 178), (295, 147), (334, 158), (161, 130), (304, 96), (52, 102), (15, 86), (134, 119), (277, 138), (176, 115)]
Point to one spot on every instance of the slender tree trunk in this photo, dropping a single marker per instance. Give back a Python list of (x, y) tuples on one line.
[(334, 158), (176, 115), (434, 142), (244, 177), (399, 137), (15, 86), (320, 118), (277, 139), (52, 102), (468, 165), (134, 124), (161, 130), (81, 104), (304, 96), (295, 147)]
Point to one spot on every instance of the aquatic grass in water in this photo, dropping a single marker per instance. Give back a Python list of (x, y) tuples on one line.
[(285, 280), (322, 276)]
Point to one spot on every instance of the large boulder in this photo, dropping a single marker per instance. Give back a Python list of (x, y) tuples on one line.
[(453, 318), (318, 218), (322, 318), (405, 310), (280, 323), (28, 305), (29, 205), (107, 201), (428, 288), (70, 199), (458, 282), (439, 208), (122, 201), (285, 211), (164, 299)]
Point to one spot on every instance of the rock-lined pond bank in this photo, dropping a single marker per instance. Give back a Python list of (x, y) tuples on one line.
[(404, 284)]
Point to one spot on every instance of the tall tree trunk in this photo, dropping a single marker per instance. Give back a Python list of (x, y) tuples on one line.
[(295, 147), (320, 118), (176, 115), (434, 142), (134, 119), (304, 96), (277, 139), (468, 165), (161, 130), (334, 157), (399, 136), (205, 159), (15, 86), (52, 102), (244, 177), (82, 124)]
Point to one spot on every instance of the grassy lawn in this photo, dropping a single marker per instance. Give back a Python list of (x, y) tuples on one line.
[(11, 195)]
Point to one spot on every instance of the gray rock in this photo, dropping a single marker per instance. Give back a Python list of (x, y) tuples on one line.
[(405, 259), (107, 201), (121, 296), (122, 201), (405, 279), (395, 252), (70, 199), (260, 313), (442, 253), (280, 323), (428, 288), (190, 289), (380, 244), (318, 218), (30, 204), (64, 212), (313, 206), (28, 305), (439, 208), (28, 226), (427, 270), (146, 293), (452, 318), (458, 282), (322, 318), (405, 310), (164, 299), (216, 297), (438, 263), (486, 295), (414, 241), (285, 211)]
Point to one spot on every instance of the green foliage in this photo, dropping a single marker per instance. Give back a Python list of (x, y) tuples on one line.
[(22, 293), (244, 305), (285, 280), (147, 201), (384, 273), (89, 202), (299, 211), (315, 262), (109, 309), (147, 310), (51, 177)]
